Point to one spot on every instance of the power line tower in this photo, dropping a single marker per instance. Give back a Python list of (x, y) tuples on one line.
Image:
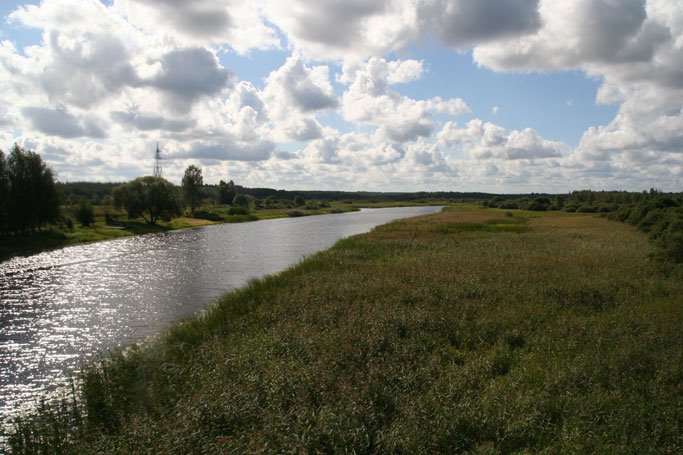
[(157, 163)]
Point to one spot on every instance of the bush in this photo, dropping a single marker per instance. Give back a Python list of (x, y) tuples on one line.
[(295, 213), (238, 211), (85, 213), (206, 215), (536, 207), (68, 224), (508, 205), (109, 218), (671, 246), (587, 209)]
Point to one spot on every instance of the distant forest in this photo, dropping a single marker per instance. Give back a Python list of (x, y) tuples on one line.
[(97, 193)]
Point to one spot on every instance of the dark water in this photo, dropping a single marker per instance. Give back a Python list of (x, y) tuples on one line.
[(59, 307)]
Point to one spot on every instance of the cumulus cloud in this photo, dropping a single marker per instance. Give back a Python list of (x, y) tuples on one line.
[(293, 95), (297, 86), (229, 150), (484, 140), (635, 47), (111, 76), (370, 100), (581, 32), (235, 23), (149, 121), (465, 22), (354, 29), (186, 75), (59, 122)]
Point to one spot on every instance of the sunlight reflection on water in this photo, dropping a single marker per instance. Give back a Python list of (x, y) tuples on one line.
[(60, 307)]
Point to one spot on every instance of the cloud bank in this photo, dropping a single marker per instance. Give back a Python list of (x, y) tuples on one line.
[(108, 79)]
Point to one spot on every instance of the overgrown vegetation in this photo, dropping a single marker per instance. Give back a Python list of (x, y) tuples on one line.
[(472, 330), (658, 214)]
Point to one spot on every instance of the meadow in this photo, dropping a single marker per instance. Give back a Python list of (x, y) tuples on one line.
[(470, 331)]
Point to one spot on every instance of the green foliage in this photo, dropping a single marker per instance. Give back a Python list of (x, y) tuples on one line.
[(95, 192), (206, 215), (85, 214), (29, 198), (242, 201), (226, 192), (192, 184), (152, 198), (299, 201), (4, 192), (238, 211), (662, 218), (414, 338)]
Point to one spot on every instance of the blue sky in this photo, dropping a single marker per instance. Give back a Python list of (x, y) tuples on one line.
[(461, 95)]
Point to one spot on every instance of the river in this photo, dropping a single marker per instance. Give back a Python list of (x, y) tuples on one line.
[(60, 307)]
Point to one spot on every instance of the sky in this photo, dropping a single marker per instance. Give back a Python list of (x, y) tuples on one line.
[(507, 96)]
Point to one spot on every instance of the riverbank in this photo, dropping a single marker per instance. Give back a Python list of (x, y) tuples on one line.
[(57, 237), (469, 330)]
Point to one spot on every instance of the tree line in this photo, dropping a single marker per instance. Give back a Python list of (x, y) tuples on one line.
[(658, 214), (28, 197)]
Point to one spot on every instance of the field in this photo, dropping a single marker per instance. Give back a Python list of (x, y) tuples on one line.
[(472, 330)]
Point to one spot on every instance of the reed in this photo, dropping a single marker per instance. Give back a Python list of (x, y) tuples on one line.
[(466, 331)]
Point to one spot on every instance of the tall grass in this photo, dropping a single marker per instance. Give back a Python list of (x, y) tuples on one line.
[(465, 331)]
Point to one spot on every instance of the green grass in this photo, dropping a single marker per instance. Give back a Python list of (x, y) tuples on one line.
[(465, 331), (59, 236)]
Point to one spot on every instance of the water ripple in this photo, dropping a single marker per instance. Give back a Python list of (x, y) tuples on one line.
[(60, 307)]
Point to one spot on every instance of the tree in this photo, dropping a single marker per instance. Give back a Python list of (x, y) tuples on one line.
[(85, 213), (226, 192), (148, 197), (192, 187), (242, 201), (32, 196), (4, 192)]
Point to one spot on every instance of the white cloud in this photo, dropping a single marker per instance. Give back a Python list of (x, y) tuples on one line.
[(185, 75), (59, 122), (369, 100), (293, 95), (349, 30), (110, 78), (237, 24), (634, 46), (483, 140), (463, 23)]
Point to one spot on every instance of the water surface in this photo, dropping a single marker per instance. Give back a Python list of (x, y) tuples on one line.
[(59, 307)]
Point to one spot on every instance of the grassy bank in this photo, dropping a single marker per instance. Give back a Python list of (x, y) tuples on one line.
[(60, 236), (469, 330)]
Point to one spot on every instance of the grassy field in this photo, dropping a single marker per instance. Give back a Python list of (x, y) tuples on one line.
[(473, 330)]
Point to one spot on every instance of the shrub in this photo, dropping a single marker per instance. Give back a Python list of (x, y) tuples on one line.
[(206, 215), (671, 245), (508, 205), (536, 207), (587, 209), (238, 211), (68, 223), (85, 213)]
